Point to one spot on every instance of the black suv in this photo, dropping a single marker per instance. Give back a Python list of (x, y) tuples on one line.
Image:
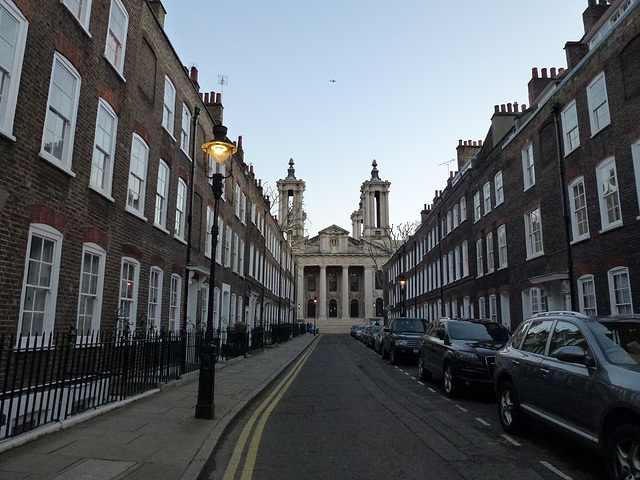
[(579, 374), (402, 338), (461, 351)]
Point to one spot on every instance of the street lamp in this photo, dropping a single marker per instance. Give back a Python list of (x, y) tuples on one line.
[(402, 281), (221, 150), (315, 314)]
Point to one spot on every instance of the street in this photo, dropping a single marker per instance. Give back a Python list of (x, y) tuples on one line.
[(342, 412)]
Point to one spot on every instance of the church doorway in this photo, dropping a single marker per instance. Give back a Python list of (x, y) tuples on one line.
[(311, 309), (333, 308), (355, 312)]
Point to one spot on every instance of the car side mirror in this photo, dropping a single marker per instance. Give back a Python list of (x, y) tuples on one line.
[(572, 354)]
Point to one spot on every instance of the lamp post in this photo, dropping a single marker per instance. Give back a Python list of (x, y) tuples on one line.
[(315, 314), (221, 150), (402, 281)]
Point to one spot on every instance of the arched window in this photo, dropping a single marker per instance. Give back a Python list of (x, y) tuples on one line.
[(353, 282), (355, 311), (333, 308), (333, 282), (311, 309)]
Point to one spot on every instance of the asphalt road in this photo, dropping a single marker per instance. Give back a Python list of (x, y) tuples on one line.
[(344, 413)]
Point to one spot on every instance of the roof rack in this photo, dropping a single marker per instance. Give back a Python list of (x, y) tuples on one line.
[(559, 313)]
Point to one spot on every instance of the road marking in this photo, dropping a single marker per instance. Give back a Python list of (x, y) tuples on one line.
[(431, 390), (406, 373), (555, 470), (271, 401), (420, 383), (413, 378), (482, 421), (462, 408), (509, 439)]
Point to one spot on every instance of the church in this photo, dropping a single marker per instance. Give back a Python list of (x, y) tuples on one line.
[(339, 280)]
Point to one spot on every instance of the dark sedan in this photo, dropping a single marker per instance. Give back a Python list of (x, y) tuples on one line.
[(461, 351), (581, 376), (402, 338)]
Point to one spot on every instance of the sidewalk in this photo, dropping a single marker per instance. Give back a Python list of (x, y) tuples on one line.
[(154, 436)]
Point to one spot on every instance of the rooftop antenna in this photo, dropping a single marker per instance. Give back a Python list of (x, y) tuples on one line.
[(448, 167), (222, 81)]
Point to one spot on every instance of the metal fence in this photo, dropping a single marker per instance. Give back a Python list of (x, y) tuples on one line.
[(51, 378)]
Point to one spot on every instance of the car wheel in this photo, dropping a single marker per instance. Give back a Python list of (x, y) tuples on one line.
[(392, 356), (511, 417), (450, 382), (423, 374), (624, 452)]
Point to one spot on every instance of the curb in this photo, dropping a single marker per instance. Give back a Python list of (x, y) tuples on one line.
[(197, 466)]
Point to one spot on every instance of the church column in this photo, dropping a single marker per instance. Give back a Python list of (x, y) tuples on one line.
[(322, 297), (345, 292), (368, 292), (300, 295)]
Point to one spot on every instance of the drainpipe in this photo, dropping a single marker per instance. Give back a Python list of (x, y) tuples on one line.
[(555, 111)]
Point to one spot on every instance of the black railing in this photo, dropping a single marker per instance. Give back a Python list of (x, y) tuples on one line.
[(51, 378)]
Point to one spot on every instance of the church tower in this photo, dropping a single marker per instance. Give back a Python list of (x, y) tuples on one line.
[(291, 215), (374, 208)]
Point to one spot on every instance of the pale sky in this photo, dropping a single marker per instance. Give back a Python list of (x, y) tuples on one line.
[(412, 77)]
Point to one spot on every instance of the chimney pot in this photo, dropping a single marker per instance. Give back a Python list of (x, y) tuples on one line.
[(553, 72), (534, 72), (206, 98), (479, 143), (240, 142), (460, 142), (544, 73), (503, 108), (523, 107), (194, 74), (509, 107), (218, 98), (496, 108)]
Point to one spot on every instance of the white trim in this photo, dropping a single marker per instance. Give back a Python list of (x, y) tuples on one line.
[(528, 167), (582, 280), (529, 239), (157, 319), (612, 294), (609, 164), (103, 106), (597, 124), (635, 154), (169, 111), (83, 16), (118, 61), (134, 294), (576, 236), (98, 251), (569, 113), (142, 177), (175, 296)]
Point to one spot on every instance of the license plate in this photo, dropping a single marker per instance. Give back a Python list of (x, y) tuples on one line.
[(415, 350)]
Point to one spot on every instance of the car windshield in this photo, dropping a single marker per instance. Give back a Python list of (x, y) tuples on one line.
[(620, 341), (408, 325), (377, 328), (478, 331)]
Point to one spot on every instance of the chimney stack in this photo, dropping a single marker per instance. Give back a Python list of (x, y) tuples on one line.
[(158, 10)]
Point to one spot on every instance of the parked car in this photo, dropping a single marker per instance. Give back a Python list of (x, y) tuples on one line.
[(462, 351), (580, 375), (402, 338), (357, 334), (370, 341), (365, 333), (377, 340), (354, 329)]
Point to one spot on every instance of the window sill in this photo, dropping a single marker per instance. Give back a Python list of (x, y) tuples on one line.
[(115, 69), (56, 163), (135, 213), (567, 153), (180, 239), (504, 267), (161, 228), (537, 255), (169, 133), (580, 240), (4, 133), (615, 226), (593, 134), (102, 194)]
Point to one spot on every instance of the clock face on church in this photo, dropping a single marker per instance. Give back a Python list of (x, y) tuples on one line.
[(333, 242)]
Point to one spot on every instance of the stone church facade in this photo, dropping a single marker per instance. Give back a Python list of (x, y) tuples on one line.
[(338, 281)]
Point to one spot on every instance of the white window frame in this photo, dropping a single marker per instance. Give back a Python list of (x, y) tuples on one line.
[(241, 258), (587, 295), (116, 44), (104, 149), (499, 188), (54, 115), (528, 167), (463, 209), (237, 200), (615, 289), (228, 238), (219, 242), (204, 312), (598, 104), (235, 257), (90, 290), (477, 209), (486, 195), (569, 118), (493, 308), (185, 130), (635, 154), (538, 301), (606, 193), (479, 258), (491, 260), (128, 300), (579, 213), (502, 247), (162, 196), (154, 309), (243, 208), (458, 261), (137, 184), (175, 295), (452, 267), (81, 11), (482, 307), (45, 233), (10, 79), (535, 245), (456, 216), (465, 258), (169, 106), (208, 233), (181, 209)]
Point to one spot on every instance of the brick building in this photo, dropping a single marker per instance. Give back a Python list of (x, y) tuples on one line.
[(100, 134), (542, 214)]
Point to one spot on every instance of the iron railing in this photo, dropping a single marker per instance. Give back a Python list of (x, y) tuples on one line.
[(45, 379)]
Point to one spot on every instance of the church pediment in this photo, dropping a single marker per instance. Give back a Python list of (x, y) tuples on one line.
[(333, 230)]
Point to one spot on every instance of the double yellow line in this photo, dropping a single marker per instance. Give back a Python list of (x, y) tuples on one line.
[(267, 407)]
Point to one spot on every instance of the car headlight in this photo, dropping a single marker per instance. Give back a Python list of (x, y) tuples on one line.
[(402, 343), (467, 356)]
